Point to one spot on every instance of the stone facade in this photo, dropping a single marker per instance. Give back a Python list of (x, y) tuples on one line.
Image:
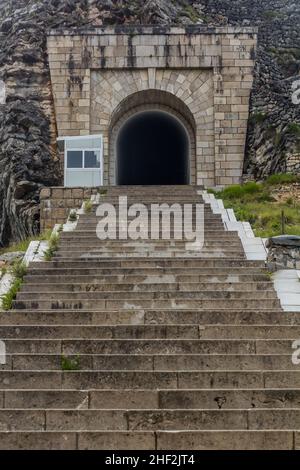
[(202, 75)]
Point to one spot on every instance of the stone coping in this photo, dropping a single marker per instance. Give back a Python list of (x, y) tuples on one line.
[(153, 29), (284, 240)]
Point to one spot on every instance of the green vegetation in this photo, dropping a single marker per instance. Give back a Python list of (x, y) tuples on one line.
[(24, 244), (88, 206), (282, 178), (294, 129), (254, 202), (190, 11), (102, 192), (10, 296), (287, 57), (53, 245), (18, 270), (70, 363), (3, 271), (272, 14), (257, 117), (72, 216)]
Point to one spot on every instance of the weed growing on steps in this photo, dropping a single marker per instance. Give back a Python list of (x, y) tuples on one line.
[(10, 296), (53, 245), (102, 192), (18, 270), (72, 216), (70, 363), (87, 207)]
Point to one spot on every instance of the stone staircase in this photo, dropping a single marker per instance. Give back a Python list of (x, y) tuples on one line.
[(148, 345)]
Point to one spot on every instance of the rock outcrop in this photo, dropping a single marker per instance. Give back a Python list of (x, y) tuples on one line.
[(28, 159)]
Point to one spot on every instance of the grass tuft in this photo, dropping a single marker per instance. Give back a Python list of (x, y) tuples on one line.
[(70, 363), (53, 245), (102, 192), (10, 296), (88, 206), (19, 269)]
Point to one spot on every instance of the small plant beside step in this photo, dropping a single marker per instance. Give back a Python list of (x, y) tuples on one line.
[(18, 270), (53, 245), (72, 216), (87, 207), (102, 192)]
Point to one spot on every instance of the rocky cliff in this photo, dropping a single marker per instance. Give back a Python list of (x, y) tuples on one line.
[(28, 158)]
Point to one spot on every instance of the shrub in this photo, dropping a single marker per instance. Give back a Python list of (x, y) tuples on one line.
[(282, 178), (192, 14), (240, 191)]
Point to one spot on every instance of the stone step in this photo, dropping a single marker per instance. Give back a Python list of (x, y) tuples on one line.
[(177, 207), (151, 440), (121, 244), (150, 317), (147, 286), (152, 294), (127, 250), (149, 346), (209, 279), (155, 332), (87, 257), (157, 263), (155, 399), (141, 304), (81, 380), (91, 234), (154, 220), (148, 420), (154, 362), (205, 272), (153, 249), (215, 227)]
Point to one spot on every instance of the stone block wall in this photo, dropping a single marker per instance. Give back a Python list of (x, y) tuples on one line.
[(56, 204), (94, 73)]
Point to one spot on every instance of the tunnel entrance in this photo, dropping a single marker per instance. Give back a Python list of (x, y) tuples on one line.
[(152, 149)]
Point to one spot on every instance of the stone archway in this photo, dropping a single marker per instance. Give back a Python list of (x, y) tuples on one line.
[(170, 119)]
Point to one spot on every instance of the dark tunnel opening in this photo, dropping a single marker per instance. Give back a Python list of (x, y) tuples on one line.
[(152, 149)]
